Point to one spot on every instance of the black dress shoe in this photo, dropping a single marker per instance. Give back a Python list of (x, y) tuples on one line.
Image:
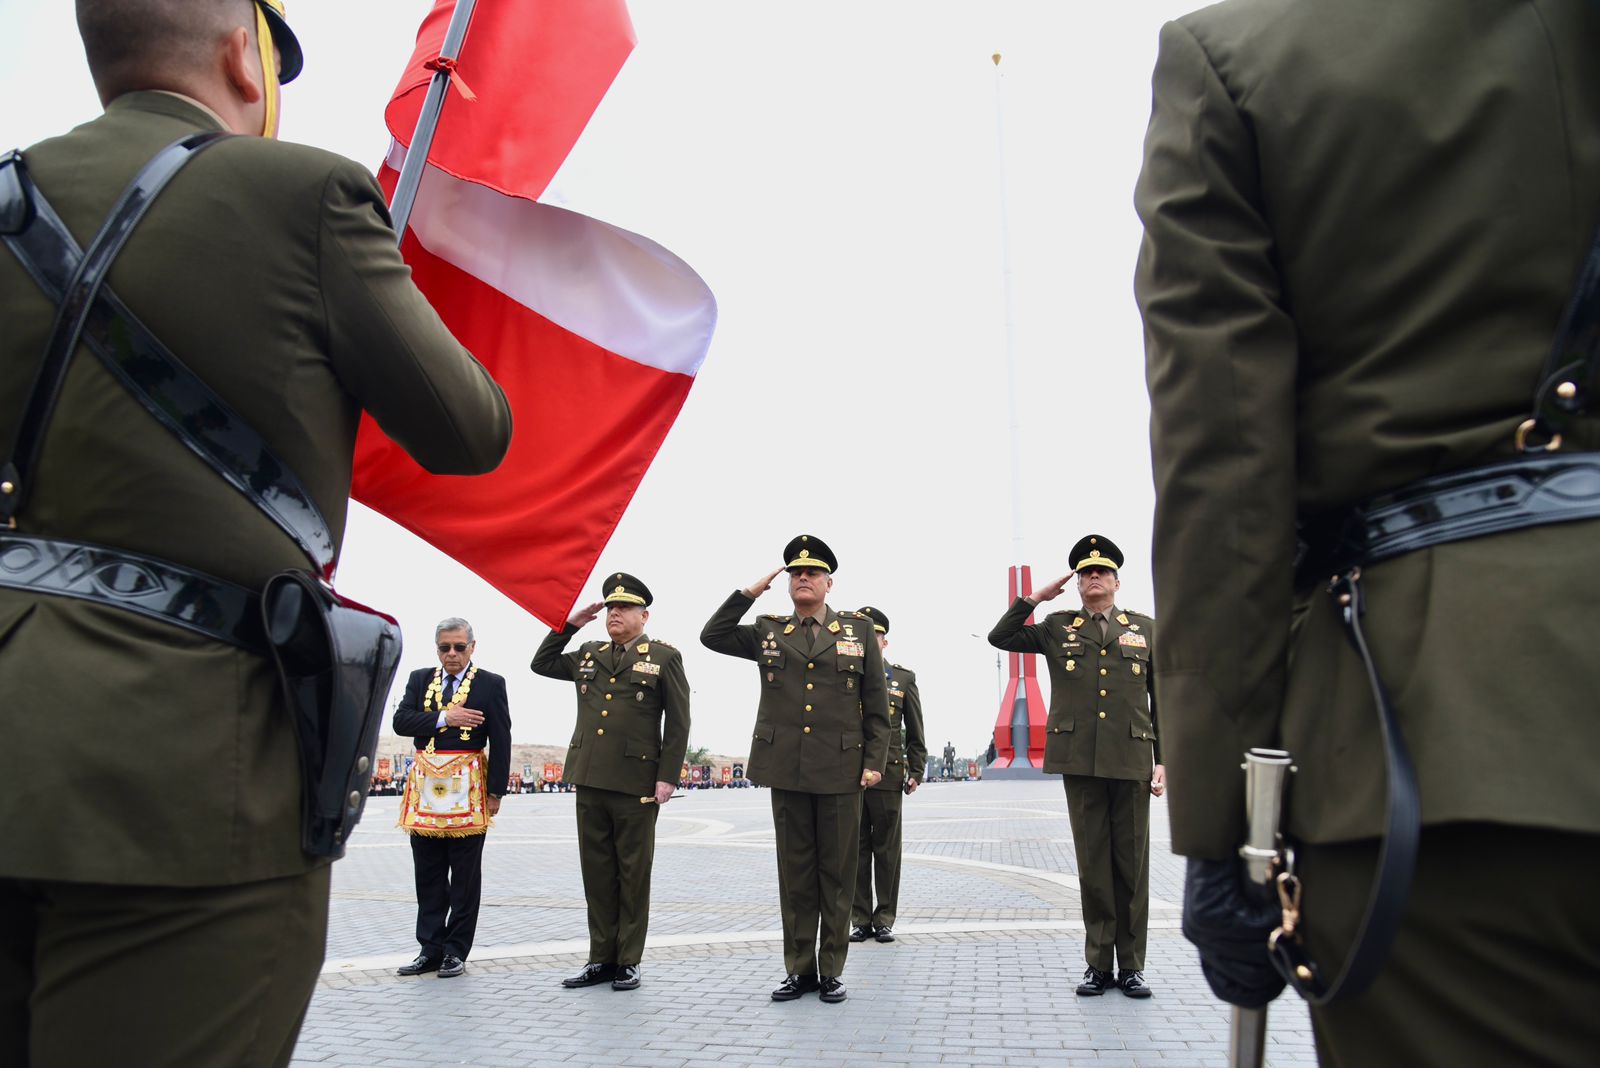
[(860, 934), (1094, 982), (1133, 984), (591, 975), (794, 986), (627, 978), (884, 934), (832, 989), (423, 963), (451, 967)]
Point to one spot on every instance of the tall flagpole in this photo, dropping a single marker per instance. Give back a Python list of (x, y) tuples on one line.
[(1013, 734), (405, 190)]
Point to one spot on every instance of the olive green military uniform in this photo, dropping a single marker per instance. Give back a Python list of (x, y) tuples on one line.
[(160, 807), (823, 719), (1101, 738), (879, 862), (632, 731), (1362, 222)]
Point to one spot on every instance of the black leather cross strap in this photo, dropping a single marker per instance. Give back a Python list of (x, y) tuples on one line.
[(172, 393), (1397, 855), (157, 589)]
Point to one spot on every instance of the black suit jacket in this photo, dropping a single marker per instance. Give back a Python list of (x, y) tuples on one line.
[(488, 696)]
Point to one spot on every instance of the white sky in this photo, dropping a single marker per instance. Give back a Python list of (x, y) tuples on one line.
[(830, 168)]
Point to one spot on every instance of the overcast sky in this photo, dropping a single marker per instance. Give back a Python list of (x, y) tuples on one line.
[(830, 168)]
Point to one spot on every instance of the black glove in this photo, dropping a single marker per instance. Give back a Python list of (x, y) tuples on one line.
[(1230, 926)]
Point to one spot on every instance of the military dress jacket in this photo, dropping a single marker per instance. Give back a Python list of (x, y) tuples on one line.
[(823, 718), (1362, 223), (270, 269), (908, 745), (488, 695), (1102, 690), (633, 710)]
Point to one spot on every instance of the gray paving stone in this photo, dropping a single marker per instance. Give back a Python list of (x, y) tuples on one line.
[(990, 947)]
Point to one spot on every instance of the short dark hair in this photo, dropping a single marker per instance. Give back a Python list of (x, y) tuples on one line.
[(139, 44)]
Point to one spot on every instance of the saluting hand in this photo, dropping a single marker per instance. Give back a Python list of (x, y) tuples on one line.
[(462, 716), (586, 614), (1052, 591), (870, 777), (762, 585)]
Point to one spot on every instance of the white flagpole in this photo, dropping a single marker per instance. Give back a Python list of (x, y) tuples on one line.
[(1010, 314), (405, 190)]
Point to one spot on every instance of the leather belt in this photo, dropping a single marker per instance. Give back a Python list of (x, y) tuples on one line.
[(1525, 492), (157, 589)]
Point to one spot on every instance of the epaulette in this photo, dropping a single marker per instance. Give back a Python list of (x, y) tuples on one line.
[(777, 619), (854, 615), (658, 641), (899, 667)]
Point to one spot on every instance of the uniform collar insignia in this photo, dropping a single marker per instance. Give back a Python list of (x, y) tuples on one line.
[(1080, 621), (1122, 617), (833, 628), (644, 647), (788, 628)]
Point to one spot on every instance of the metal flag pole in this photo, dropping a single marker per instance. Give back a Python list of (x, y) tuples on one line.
[(1022, 697), (1266, 771), (405, 190)]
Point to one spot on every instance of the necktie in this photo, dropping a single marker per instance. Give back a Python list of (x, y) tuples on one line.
[(1100, 617), (809, 627), (449, 691)]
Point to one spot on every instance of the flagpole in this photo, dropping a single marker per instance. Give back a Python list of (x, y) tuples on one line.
[(405, 190), (1022, 701)]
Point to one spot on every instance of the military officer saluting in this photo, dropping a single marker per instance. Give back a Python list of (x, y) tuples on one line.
[(878, 862), (627, 747), (1102, 739), (821, 735)]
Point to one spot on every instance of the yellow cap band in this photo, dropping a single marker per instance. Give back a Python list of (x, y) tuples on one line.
[(624, 598), (880, 628), (1096, 561), (808, 561), (269, 72)]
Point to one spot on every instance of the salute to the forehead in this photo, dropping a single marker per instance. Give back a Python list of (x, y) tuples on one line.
[(1101, 737), (629, 741), (821, 735)]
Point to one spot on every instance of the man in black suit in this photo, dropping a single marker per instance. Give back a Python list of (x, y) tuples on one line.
[(451, 711)]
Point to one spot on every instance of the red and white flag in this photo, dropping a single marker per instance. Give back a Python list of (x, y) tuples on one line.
[(594, 333)]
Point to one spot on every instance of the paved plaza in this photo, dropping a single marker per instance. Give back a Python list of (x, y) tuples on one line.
[(990, 946)]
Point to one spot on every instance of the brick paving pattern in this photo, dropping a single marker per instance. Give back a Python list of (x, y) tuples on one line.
[(990, 947)]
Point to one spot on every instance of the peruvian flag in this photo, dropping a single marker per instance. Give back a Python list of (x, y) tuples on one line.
[(594, 333)]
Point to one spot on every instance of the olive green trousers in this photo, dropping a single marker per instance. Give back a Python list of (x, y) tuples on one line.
[(1497, 961), (159, 977)]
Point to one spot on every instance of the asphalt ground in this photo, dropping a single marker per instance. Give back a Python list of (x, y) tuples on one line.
[(989, 949)]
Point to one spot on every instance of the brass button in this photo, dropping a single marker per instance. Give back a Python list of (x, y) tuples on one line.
[(1102, 671), (363, 764), (1102, 693), (355, 798), (810, 666), (808, 709), (809, 686), (601, 730), (608, 697), (1102, 715), (604, 712), (1102, 652), (613, 678), (808, 730)]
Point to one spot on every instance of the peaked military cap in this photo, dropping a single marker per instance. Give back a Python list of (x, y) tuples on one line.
[(620, 587), (291, 58), (808, 550), (880, 622), (1095, 550)]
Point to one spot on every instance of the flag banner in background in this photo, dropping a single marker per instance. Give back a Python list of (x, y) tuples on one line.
[(594, 333)]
